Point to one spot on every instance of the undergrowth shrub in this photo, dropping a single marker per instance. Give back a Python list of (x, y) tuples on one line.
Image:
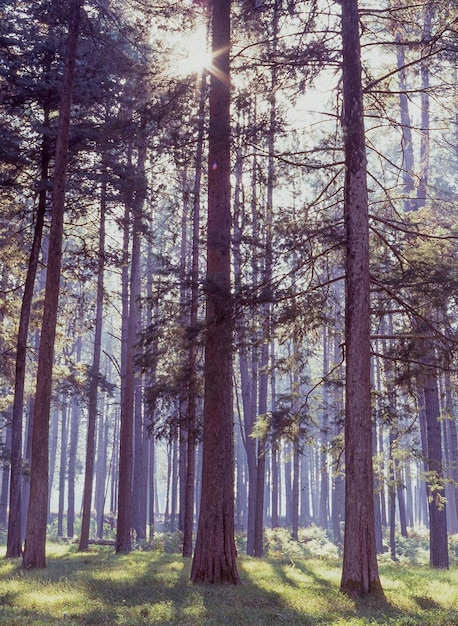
[(165, 542), (453, 549), (312, 543), (414, 549)]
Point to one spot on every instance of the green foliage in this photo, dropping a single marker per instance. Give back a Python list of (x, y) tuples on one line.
[(153, 588), (163, 543), (414, 549), (313, 543), (411, 550), (453, 548)]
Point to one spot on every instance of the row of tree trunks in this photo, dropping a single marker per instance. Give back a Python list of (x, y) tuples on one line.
[(129, 341), (35, 541), (14, 539), (428, 378), (217, 556), (94, 374), (193, 349)]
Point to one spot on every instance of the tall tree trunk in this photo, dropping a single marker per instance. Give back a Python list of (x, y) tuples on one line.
[(184, 322), (53, 441), (338, 493), (35, 542), (323, 515), (27, 458), (5, 482), (126, 434), (191, 418), (274, 445), (438, 545), (406, 126), (62, 465), (215, 553), (423, 174), (360, 571), (101, 472), (174, 486), (151, 376), (14, 541), (248, 366), (72, 457), (378, 480), (94, 376), (295, 490), (400, 492), (138, 495), (152, 487), (453, 440), (114, 465), (240, 492), (392, 495)]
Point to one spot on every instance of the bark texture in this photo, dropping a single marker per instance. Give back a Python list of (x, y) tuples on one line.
[(215, 553), (360, 571)]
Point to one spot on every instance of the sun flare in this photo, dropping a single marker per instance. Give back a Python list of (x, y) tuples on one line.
[(191, 53)]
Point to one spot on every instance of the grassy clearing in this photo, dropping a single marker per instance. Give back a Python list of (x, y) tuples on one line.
[(153, 588)]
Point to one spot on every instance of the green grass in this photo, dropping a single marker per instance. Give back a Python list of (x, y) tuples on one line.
[(153, 588)]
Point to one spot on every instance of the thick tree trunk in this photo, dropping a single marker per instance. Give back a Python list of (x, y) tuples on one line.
[(360, 571), (215, 553), (35, 542)]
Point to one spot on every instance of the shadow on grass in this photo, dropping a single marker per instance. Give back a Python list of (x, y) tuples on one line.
[(427, 604), (336, 608), (151, 589)]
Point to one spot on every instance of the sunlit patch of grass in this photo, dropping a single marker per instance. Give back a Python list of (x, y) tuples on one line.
[(148, 588), (304, 587), (413, 588)]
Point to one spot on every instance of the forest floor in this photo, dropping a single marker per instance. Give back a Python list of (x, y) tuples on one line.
[(153, 588)]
